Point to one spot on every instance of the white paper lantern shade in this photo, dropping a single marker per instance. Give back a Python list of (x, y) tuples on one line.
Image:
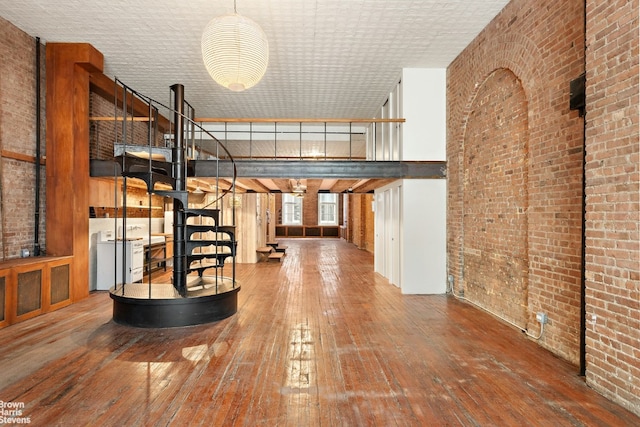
[(235, 51)]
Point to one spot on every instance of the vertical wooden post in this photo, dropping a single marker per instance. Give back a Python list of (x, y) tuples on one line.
[(68, 68)]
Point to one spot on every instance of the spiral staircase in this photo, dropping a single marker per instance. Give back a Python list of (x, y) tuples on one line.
[(199, 291)]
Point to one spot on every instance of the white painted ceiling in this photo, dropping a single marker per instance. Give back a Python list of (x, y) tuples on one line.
[(328, 58)]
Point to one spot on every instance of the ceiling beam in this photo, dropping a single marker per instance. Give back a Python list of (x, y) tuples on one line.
[(283, 185), (253, 184), (373, 184), (343, 185), (321, 169), (369, 174), (355, 170)]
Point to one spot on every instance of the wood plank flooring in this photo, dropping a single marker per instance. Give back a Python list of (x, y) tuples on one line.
[(318, 340)]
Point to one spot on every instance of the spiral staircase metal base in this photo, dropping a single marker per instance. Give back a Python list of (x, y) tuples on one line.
[(201, 305)]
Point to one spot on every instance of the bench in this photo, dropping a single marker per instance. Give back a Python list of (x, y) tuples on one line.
[(276, 256), (264, 252), (277, 247)]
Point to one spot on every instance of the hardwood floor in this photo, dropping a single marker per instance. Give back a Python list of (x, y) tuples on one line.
[(318, 340)]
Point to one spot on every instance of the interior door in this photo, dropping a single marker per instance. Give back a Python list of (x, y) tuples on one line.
[(380, 233), (394, 228)]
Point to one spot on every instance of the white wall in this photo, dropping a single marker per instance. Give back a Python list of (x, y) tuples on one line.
[(424, 106), (410, 220), (424, 237)]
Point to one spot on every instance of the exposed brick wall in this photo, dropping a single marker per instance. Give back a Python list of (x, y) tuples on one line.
[(355, 217), (361, 218), (310, 209), (18, 135), (515, 211), (612, 255), (495, 197), (103, 133)]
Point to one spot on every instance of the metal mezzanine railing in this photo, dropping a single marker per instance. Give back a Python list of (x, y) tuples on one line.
[(297, 139)]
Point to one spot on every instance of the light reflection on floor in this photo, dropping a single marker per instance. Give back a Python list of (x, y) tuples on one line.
[(301, 371)]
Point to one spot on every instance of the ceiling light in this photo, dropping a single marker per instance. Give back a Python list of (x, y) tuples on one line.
[(298, 189), (235, 51)]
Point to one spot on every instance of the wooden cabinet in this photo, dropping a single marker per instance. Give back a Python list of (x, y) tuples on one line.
[(102, 193), (32, 286), (155, 257), (307, 231), (5, 298), (169, 243)]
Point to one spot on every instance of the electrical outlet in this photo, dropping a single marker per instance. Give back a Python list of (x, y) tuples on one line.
[(541, 317)]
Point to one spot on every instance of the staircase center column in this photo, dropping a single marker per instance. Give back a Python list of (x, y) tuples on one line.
[(179, 174)]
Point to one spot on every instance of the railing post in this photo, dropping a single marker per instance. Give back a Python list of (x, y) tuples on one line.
[(350, 139), (250, 140), (325, 140)]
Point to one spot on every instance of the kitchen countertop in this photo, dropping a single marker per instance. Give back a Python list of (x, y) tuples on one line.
[(155, 238)]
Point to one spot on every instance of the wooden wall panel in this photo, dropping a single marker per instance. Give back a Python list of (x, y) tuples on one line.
[(69, 66)]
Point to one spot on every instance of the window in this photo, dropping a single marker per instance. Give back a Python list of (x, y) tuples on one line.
[(327, 209), (291, 209)]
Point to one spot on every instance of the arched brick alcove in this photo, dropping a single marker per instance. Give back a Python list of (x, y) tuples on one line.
[(495, 197)]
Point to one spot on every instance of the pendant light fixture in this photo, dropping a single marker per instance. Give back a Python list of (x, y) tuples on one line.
[(298, 190), (235, 51)]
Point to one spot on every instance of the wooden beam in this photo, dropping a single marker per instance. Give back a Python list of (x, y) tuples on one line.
[(295, 120), (283, 185), (119, 119), (253, 184), (373, 184), (343, 185), (20, 157)]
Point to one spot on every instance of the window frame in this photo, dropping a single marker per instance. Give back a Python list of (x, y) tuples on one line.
[(334, 207), (290, 201)]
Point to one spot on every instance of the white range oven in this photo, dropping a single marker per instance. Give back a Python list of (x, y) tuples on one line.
[(109, 262)]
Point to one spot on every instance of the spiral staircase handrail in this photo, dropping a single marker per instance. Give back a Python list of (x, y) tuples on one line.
[(171, 110)]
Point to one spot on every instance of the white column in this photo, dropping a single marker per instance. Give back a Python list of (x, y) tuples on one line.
[(424, 106), (418, 260), (424, 236)]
